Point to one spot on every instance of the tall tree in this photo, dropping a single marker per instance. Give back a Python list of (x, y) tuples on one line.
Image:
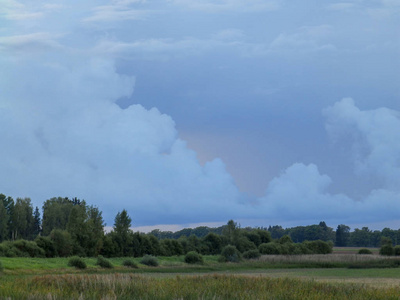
[(37, 223), (342, 235), (3, 222), (231, 232), (86, 227), (95, 226), (76, 227), (22, 219), (8, 203), (56, 214), (122, 224)]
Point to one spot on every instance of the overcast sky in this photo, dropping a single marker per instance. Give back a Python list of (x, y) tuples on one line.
[(200, 111)]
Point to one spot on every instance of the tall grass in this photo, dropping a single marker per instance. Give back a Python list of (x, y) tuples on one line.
[(129, 286), (339, 260)]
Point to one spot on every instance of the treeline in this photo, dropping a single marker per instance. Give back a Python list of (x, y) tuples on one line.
[(72, 227), (341, 237)]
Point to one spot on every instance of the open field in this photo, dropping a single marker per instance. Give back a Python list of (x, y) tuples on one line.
[(271, 277)]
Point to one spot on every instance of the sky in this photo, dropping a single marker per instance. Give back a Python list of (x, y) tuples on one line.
[(195, 112)]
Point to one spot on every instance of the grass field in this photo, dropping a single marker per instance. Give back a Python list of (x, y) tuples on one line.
[(271, 277)]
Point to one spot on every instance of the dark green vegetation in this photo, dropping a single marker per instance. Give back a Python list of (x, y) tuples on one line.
[(193, 257), (77, 262), (104, 263), (364, 251), (70, 227), (150, 261), (129, 263)]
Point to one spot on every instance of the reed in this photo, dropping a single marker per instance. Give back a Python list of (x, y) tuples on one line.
[(129, 286)]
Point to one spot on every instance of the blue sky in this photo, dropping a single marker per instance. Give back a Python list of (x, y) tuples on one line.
[(188, 112)]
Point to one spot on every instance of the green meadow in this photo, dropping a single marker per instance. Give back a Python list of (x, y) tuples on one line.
[(331, 276)]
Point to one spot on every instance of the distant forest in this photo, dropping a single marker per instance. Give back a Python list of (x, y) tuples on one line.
[(72, 227)]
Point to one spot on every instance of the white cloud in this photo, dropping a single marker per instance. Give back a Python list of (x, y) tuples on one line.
[(66, 136), (300, 193), (375, 138)]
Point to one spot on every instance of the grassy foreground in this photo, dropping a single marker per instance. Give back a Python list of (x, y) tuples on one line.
[(129, 286), (344, 276)]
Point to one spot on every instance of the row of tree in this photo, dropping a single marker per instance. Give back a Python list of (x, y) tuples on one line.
[(341, 237), (72, 227)]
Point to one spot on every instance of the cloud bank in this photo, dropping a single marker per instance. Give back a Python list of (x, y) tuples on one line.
[(65, 67)]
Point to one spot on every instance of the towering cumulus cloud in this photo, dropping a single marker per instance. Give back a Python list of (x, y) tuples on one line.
[(64, 135), (373, 138)]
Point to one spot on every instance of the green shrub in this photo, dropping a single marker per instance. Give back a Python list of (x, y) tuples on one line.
[(300, 249), (29, 248), (47, 245), (319, 247), (251, 254), (103, 262), (364, 251), (269, 248), (397, 250), (386, 250), (1, 267), (149, 260), (77, 262), (230, 254), (193, 257), (129, 263), (62, 242)]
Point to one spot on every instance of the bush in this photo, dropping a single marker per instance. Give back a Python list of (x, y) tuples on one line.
[(269, 248), (364, 251), (251, 254), (77, 262), (300, 249), (319, 247), (230, 254), (29, 248), (193, 257), (149, 260), (386, 250), (62, 242), (47, 245), (1, 267), (103, 262), (129, 263), (397, 250)]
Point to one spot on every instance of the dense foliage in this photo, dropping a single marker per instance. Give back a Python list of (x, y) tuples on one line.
[(71, 227)]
